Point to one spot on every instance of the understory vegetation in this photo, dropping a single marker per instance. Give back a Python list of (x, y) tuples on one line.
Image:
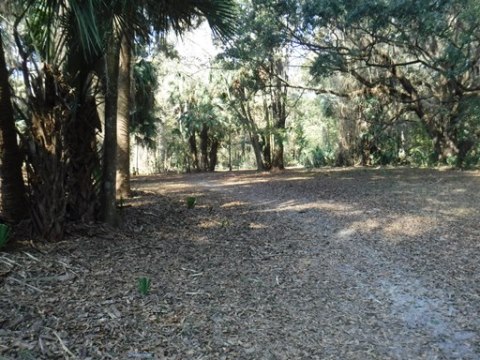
[(94, 91)]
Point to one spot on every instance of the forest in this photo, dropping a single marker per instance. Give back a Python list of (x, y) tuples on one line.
[(300, 184), (294, 83)]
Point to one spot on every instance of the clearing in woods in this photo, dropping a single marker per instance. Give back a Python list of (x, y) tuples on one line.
[(331, 264)]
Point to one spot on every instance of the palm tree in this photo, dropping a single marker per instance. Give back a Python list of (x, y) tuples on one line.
[(124, 111), (65, 36), (97, 26), (14, 201), (164, 16)]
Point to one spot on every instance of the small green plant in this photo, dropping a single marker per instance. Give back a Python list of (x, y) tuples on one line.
[(191, 202), (144, 285), (4, 234), (225, 223), (24, 354)]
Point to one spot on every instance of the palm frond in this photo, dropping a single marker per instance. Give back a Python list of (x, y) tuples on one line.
[(86, 22), (179, 15)]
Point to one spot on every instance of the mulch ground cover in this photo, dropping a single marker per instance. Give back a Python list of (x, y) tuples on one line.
[(331, 264)]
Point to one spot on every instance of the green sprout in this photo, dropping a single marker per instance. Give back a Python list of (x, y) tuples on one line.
[(4, 234), (144, 285), (191, 202), (225, 223)]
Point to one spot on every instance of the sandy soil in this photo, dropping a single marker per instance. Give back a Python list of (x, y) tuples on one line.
[(332, 264)]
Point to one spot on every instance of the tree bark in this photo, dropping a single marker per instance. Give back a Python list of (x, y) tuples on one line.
[(14, 200), (108, 189), (254, 137), (213, 154), (279, 97), (266, 138), (83, 160), (192, 142), (257, 149), (204, 166), (50, 111), (123, 116)]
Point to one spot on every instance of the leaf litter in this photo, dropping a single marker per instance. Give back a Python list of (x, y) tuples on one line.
[(344, 263)]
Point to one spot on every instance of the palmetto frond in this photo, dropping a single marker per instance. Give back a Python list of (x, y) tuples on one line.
[(178, 15), (55, 25)]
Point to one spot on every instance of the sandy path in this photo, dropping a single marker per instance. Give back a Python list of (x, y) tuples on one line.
[(335, 264), (380, 304)]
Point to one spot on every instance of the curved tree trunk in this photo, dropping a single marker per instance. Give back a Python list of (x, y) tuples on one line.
[(257, 150), (14, 201), (123, 116)]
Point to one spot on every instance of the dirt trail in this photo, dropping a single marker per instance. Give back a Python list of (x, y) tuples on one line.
[(394, 307), (344, 264)]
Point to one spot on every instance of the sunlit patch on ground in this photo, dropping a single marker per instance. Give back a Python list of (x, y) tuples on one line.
[(330, 264)]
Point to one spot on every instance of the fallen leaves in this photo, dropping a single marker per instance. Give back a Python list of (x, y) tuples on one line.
[(266, 266)]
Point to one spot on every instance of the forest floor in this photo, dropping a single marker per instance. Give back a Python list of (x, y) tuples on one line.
[(330, 264)]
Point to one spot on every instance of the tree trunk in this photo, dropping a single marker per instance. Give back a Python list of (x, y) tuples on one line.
[(257, 149), (267, 151), (14, 201), (230, 150), (254, 137), (108, 189), (279, 97), (204, 166), (444, 137), (278, 151), (192, 142), (267, 144), (84, 164), (46, 155), (123, 115), (215, 144)]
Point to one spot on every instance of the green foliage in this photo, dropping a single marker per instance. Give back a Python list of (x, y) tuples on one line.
[(5, 232), (419, 156), (413, 56), (191, 201), (196, 120), (143, 121), (473, 158), (420, 150), (24, 354), (318, 157), (225, 223), (144, 285), (380, 145)]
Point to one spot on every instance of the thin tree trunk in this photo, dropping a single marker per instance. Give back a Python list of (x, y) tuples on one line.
[(14, 201), (204, 148), (230, 150), (123, 116), (254, 137), (279, 117), (108, 190), (267, 144)]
